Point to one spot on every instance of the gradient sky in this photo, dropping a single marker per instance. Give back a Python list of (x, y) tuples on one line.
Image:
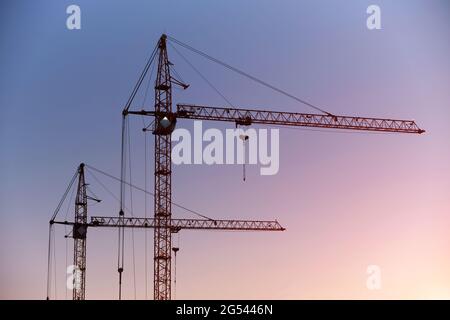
[(348, 200)]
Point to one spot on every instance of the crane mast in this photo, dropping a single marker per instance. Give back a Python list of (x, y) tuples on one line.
[(79, 235), (163, 174), (183, 224)]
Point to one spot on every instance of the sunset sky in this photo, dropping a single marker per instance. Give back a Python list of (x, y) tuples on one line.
[(347, 199)]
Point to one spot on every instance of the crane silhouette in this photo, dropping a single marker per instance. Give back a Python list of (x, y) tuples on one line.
[(165, 119)]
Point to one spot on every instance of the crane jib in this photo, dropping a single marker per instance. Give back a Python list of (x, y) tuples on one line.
[(249, 116)]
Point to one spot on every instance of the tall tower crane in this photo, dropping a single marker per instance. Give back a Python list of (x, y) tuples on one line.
[(165, 121)]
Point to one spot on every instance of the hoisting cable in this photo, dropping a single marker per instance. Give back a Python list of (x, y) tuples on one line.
[(49, 260), (64, 196), (145, 214), (201, 75), (50, 233), (175, 250), (69, 203), (120, 247), (146, 93), (144, 130), (149, 125), (54, 261), (244, 139), (131, 207), (106, 189), (145, 127), (66, 236), (178, 76), (120, 255), (186, 46), (217, 91), (94, 197), (141, 78), (244, 147)]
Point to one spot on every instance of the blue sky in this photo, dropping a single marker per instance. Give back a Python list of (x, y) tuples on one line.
[(61, 96)]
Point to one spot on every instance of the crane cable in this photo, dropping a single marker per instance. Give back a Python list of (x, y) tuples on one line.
[(126, 148), (141, 78), (146, 192), (242, 73), (244, 147), (106, 188), (67, 257), (201, 75), (63, 198), (121, 248), (131, 207), (51, 231), (218, 92), (54, 261), (66, 235), (145, 215), (175, 250), (144, 130), (49, 260), (146, 93)]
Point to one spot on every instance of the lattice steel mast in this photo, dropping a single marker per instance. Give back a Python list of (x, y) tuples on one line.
[(163, 174), (79, 236)]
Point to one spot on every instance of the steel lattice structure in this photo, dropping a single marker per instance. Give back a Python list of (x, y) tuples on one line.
[(163, 184), (179, 224)]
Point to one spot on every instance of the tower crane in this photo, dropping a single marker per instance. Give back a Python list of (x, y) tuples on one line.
[(81, 224), (165, 121), (165, 118)]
